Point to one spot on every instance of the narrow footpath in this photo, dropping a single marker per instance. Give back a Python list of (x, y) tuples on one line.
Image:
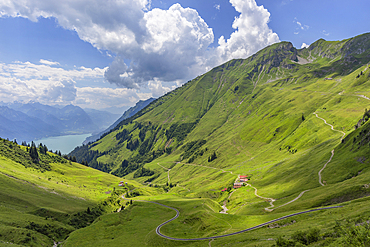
[(224, 208), (332, 154), (295, 199), (332, 151), (271, 200), (168, 172)]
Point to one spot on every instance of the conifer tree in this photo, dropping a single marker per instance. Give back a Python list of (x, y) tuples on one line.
[(213, 157), (45, 149), (33, 153)]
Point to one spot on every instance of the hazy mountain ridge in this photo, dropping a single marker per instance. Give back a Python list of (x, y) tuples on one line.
[(34, 120), (103, 119), (16, 124)]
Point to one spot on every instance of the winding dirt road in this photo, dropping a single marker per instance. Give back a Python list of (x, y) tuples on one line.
[(332, 151)]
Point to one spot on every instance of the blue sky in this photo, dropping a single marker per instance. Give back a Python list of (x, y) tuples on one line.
[(112, 55)]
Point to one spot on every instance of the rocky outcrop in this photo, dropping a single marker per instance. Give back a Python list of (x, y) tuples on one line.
[(278, 55)]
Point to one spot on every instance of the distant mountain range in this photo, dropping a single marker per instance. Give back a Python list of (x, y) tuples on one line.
[(127, 114), (30, 121)]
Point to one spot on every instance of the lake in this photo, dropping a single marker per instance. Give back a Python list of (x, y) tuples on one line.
[(63, 143)]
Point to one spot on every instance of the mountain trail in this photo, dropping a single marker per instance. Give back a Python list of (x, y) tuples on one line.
[(210, 241), (295, 199), (39, 186), (168, 172), (272, 200), (213, 215), (363, 96), (224, 208), (356, 95), (332, 151), (332, 127), (264, 198), (332, 154)]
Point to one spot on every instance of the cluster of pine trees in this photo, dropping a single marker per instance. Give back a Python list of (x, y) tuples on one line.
[(33, 153), (212, 157)]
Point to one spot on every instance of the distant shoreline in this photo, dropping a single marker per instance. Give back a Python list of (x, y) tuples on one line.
[(64, 143)]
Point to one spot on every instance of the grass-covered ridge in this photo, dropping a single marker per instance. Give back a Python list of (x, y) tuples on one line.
[(277, 73), (290, 119), (269, 117)]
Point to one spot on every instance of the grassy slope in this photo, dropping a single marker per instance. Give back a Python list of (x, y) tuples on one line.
[(250, 113), (47, 198)]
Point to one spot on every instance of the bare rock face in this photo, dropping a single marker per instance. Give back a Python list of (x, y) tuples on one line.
[(279, 55)]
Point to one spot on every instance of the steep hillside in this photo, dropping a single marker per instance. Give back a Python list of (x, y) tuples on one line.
[(43, 200), (129, 113), (259, 100), (290, 119)]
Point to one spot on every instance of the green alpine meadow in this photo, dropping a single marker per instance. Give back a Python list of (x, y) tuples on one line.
[(281, 138)]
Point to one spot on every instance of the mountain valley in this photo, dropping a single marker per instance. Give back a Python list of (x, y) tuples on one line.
[(293, 121)]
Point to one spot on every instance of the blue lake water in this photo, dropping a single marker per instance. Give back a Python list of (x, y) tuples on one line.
[(63, 143)]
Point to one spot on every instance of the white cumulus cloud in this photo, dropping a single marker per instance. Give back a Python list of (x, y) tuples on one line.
[(177, 39), (304, 45), (47, 62), (252, 32), (42, 82), (100, 97), (151, 46), (54, 85)]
